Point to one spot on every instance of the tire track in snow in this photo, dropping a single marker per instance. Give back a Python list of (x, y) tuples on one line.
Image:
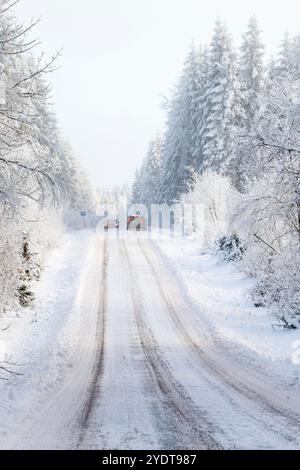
[(237, 386), (126, 412), (99, 363), (183, 416), (53, 411)]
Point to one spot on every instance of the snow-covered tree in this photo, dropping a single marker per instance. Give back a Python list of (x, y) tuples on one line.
[(137, 188), (296, 51), (252, 80), (223, 102), (151, 173), (251, 70), (191, 93), (111, 200), (273, 201), (179, 157), (171, 185), (218, 198), (201, 110), (285, 60), (37, 169)]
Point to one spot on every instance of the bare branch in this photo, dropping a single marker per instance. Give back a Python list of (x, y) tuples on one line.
[(9, 6), (263, 241), (48, 67), (28, 168), (281, 148)]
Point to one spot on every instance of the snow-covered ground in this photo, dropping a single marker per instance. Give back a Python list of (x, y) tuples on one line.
[(222, 293), (145, 344), (54, 348)]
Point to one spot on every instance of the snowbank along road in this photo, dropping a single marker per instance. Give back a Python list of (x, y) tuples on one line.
[(147, 375)]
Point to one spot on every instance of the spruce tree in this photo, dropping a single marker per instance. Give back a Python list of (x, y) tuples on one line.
[(223, 102), (151, 172), (285, 63), (179, 158), (251, 70), (201, 110)]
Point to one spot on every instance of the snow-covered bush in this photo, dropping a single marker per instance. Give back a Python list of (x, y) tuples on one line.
[(10, 238), (24, 246), (219, 200), (268, 218), (20, 266), (278, 286), (29, 270), (46, 227), (262, 232), (232, 247), (269, 214)]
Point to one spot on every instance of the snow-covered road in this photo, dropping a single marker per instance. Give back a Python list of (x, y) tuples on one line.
[(160, 385), (148, 376)]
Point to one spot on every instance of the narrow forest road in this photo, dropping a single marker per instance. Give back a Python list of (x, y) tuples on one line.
[(146, 375)]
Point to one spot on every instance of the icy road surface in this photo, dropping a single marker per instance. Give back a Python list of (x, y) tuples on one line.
[(147, 375)]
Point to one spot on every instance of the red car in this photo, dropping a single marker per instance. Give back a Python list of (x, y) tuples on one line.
[(136, 222)]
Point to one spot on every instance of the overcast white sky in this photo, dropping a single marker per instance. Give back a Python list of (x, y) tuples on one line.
[(120, 56)]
